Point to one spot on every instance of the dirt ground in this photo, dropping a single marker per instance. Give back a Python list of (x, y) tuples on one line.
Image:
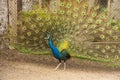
[(20, 67)]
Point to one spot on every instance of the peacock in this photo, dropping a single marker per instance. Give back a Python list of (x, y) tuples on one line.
[(87, 32), (63, 55)]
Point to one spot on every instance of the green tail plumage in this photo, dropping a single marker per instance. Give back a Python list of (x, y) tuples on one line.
[(86, 32)]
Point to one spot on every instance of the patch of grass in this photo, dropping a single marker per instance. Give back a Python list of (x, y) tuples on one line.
[(115, 65)]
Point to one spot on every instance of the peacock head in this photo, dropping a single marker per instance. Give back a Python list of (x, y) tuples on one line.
[(48, 37)]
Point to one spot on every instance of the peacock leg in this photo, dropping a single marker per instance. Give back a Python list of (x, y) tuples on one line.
[(58, 66), (64, 66)]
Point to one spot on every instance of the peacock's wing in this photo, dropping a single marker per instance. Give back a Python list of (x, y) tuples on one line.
[(65, 54)]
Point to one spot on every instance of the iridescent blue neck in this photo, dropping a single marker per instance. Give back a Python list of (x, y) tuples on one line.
[(54, 49), (50, 43)]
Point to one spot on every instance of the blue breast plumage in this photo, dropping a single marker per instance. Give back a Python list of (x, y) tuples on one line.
[(63, 55)]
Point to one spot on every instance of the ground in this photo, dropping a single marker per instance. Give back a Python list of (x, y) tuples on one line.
[(15, 66)]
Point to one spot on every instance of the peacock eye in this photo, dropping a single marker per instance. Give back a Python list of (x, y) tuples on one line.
[(90, 20), (75, 15), (33, 25), (45, 11), (102, 16), (73, 23), (83, 13), (109, 32), (115, 37), (62, 12), (102, 29), (57, 23), (49, 23), (107, 47), (102, 36), (55, 17), (80, 20), (68, 5), (68, 19), (99, 21), (98, 46), (24, 28), (37, 31), (29, 33), (94, 14), (54, 3), (96, 7), (107, 38), (116, 57), (79, 1), (112, 50), (55, 11), (75, 9), (62, 4), (39, 18), (103, 50), (48, 18), (69, 12), (94, 31), (85, 26), (85, 6), (41, 24), (91, 51), (62, 18), (106, 56), (94, 26)]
